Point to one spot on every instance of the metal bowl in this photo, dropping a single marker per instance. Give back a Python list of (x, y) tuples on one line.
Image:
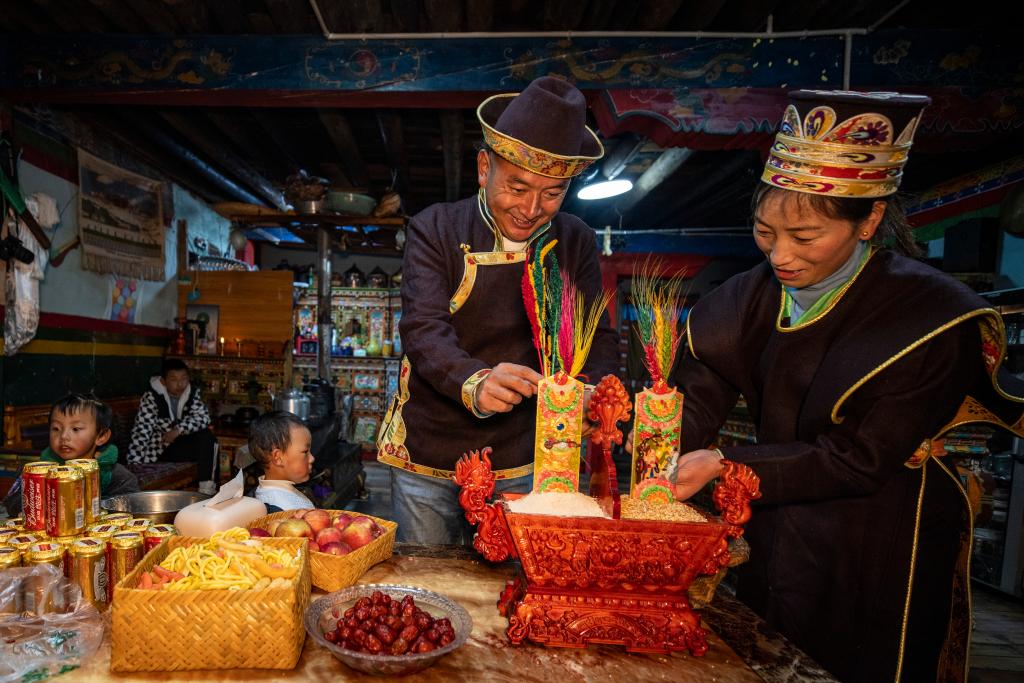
[(320, 618), (159, 507), (350, 203)]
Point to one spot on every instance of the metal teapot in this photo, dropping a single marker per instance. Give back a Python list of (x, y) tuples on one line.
[(294, 401)]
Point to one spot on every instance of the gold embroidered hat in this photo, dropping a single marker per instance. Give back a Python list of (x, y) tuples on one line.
[(542, 129), (844, 144)]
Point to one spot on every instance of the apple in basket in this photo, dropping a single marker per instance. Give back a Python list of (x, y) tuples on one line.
[(342, 520), (328, 535), (336, 548), (314, 547), (317, 520), (300, 514), (359, 532), (259, 533), (296, 528)]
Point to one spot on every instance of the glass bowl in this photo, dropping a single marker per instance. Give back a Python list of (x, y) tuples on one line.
[(320, 617)]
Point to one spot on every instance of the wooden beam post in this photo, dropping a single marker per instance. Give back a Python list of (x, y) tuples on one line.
[(394, 142)]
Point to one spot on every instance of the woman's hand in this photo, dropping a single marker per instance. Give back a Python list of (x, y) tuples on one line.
[(694, 470)]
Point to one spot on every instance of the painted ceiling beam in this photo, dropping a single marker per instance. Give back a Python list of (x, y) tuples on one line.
[(192, 68)]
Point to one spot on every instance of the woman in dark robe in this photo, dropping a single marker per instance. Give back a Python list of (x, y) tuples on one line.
[(854, 360)]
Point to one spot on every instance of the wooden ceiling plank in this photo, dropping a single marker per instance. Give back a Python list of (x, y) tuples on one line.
[(231, 123), (406, 15), (479, 15), (54, 14), (334, 173), (189, 127), (27, 18), (452, 131), (230, 16), (367, 16), (563, 16), (121, 15), (598, 15), (156, 16), (697, 16), (654, 15), (445, 15), (338, 129), (151, 154), (193, 15), (336, 15), (665, 165), (393, 135), (274, 127), (293, 17)]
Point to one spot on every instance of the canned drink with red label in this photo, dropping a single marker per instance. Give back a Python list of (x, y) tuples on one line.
[(23, 541), (65, 501), (46, 552), (157, 533), (126, 549), (9, 557), (13, 523), (91, 473), (6, 535), (118, 519), (33, 494), (88, 561), (66, 542), (102, 531)]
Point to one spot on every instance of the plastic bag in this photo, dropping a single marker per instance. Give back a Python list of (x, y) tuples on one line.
[(46, 627)]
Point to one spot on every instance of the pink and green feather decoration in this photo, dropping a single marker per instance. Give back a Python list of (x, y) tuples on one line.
[(563, 325), (657, 422)]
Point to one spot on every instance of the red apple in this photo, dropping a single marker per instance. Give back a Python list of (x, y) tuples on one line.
[(314, 546), (300, 514), (336, 549), (328, 535), (296, 528), (359, 532), (342, 520), (318, 519), (258, 533), (272, 526)]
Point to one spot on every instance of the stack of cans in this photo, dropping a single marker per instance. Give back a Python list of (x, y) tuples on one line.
[(62, 525)]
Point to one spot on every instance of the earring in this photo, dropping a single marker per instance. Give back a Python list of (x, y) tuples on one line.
[(864, 235)]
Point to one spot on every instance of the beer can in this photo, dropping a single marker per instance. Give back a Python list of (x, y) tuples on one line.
[(157, 533), (6, 535), (88, 562), (125, 552), (118, 519), (102, 531), (65, 501), (33, 494), (137, 525), (91, 473), (23, 541), (9, 557), (66, 542), (46, 552)]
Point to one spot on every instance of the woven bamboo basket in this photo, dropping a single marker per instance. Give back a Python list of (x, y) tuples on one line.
[(208, 629), (334, 572)]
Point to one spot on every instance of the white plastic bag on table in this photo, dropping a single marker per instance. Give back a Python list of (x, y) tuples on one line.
[(46, 627)]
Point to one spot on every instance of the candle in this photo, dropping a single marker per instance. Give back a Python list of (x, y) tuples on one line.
[(221, 346)]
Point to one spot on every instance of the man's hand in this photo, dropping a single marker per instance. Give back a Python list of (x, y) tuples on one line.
[(171, 435), (694, 470), (505, 387)]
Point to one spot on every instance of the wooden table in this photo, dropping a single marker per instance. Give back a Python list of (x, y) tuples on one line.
[(743, 649)]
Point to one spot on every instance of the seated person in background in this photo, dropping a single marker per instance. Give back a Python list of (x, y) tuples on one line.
[(80, 429), (172, 424), (280, 444)]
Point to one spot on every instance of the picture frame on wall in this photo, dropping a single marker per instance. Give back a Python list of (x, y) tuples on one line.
[(208, 317)]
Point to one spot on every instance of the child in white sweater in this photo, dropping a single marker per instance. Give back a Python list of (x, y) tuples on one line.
[(280, 443)]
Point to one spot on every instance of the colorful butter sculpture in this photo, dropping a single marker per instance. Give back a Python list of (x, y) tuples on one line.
[(563, 326), (657, 420)]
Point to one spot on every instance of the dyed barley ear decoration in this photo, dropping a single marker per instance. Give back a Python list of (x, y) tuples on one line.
[(564, 325), (657, 422)]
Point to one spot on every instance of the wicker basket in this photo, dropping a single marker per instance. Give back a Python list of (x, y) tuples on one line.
[(208, 629), (334, 572)]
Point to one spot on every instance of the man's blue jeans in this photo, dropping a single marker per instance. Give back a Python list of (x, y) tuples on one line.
[(427, 509)]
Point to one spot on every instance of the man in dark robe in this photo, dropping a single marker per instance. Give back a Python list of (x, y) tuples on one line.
[(470, 369)]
